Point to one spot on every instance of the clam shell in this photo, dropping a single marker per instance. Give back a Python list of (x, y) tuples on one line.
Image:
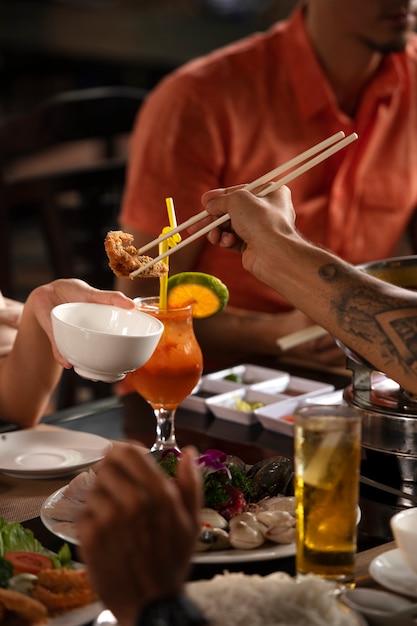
[(244, 536), (279, 535), (213, 539), (278, 503), (276, 519), (212, 518)]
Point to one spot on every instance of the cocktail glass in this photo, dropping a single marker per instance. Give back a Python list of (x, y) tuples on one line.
[(173, 370)]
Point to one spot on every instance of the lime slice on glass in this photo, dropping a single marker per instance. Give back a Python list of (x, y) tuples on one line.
[(207, 293)]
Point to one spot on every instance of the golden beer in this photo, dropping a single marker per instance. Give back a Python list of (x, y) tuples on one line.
[(327, 457)]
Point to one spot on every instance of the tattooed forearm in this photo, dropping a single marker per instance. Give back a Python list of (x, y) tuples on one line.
[(367, 313)]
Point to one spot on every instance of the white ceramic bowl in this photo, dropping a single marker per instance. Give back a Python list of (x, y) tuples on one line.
[(104, 342), (404, 529)]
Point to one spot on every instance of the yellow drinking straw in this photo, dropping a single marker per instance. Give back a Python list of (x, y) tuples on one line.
[(163, 247)]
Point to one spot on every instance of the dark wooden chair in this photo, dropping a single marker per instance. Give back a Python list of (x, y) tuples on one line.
[(62, 162)]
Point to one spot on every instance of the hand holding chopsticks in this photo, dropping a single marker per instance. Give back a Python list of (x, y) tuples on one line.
[(322, 150)]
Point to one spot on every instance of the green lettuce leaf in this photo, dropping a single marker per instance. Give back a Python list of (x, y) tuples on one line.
[(15, 538)]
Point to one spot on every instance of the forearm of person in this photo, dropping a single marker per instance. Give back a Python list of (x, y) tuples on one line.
[(370, 316), (29, 374)]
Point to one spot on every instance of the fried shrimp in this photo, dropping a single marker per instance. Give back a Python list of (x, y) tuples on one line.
[(63, 589), (16, 608), (124, 257)]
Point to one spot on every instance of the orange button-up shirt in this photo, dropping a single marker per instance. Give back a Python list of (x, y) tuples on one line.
[(228, 117)]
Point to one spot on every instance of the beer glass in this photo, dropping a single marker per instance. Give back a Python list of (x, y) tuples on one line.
[(327, 462)]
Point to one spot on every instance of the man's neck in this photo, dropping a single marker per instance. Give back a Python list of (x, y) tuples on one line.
[(347, 64)]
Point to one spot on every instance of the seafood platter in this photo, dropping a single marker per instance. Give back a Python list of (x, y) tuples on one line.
[(248, 512), (249, 394)]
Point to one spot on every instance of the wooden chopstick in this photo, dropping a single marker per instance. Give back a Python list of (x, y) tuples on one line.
[(299, 337), (265, 178), (307, 166), (272, 187)]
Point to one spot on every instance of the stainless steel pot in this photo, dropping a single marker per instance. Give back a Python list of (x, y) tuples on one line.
[(390, 418), (401, 271)]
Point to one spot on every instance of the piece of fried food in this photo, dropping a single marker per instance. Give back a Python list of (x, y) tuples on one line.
[(124, 257), (18, 609), (63, 589)]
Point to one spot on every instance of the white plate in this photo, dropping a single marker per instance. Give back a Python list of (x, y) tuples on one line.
[(66, 531), (390, 571), (49, 453), (78, 617), (63, 530), (264, 553)]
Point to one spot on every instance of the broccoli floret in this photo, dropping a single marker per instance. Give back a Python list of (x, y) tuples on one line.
[(6, 572)]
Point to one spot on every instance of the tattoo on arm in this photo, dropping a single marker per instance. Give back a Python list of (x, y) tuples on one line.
[(382, 319)]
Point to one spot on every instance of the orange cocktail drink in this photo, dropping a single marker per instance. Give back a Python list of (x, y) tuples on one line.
[(174, 368)]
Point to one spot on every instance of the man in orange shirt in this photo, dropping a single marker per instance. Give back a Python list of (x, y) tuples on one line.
[(234, 114)]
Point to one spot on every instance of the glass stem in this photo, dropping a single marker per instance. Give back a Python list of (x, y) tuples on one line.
[(165, 429)]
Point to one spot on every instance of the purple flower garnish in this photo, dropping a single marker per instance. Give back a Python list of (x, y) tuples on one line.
[(213, 461)]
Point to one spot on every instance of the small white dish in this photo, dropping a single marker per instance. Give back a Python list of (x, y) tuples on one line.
[(224, 406), (104, 342), (279, 416), (207, 388), (390, 571), (49, 453), (378, 606), (247, 374)]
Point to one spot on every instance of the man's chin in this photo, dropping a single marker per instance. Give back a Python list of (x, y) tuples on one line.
[(389, 45)]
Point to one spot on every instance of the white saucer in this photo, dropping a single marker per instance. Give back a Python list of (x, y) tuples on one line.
[(49, 453), (390, 571)]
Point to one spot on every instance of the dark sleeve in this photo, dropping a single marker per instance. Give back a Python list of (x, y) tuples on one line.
[(176, 611)]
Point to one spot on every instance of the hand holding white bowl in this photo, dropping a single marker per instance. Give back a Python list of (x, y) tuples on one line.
[(104, 342)]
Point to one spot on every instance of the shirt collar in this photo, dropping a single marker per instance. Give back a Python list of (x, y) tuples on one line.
[(313, 92)]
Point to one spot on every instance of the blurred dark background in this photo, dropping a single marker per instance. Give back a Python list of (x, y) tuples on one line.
[(48, 46)]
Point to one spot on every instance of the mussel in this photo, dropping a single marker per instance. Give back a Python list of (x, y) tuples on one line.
[(270, 477)]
